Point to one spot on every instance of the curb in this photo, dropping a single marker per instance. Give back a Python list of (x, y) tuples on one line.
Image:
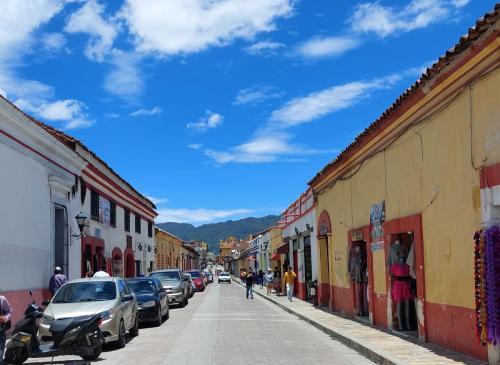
[(366, 350)]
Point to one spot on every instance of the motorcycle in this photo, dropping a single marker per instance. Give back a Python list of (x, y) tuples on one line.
[(79, 336)]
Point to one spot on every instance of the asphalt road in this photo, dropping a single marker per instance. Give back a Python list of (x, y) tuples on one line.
[(220, 326)]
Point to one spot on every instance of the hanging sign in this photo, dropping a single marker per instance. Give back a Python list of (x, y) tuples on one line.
[(377, 218)]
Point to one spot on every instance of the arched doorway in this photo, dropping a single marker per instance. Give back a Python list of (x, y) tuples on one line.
[(117, 262), (129, 259), (324, 235)]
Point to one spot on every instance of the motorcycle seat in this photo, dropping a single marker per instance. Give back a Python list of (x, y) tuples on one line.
[(65, 324)]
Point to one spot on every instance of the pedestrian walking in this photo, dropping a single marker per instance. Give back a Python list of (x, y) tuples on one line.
[(289, 278), (269, 281), (249, 280), (57, 280), (261, 278), (277, 280), (5, 318)]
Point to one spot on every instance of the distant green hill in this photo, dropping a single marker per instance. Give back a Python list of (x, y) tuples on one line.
[(214, 232)]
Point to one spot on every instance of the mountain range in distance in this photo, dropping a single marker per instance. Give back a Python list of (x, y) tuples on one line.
[(212, 233)]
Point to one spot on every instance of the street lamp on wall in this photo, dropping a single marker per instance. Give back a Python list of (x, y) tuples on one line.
[(81, 218), (297, 231)]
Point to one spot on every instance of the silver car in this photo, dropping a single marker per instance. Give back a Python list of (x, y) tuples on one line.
[(109, 296), (176, 285)]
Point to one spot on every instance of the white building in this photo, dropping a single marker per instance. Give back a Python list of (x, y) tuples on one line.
[(39, 194), (297, 224), (46, 179)]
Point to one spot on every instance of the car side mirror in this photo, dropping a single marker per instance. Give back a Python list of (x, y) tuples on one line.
[(127, 298), (46, 302), (162, 290), (185, 279)]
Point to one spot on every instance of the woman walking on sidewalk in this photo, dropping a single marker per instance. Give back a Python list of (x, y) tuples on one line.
[(269, 281), (289, 278)]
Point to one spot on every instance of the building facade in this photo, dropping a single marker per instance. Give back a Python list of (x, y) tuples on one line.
[(415, 186), (168, 250)]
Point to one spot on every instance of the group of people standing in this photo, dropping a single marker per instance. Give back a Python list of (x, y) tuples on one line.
[(271, 279)]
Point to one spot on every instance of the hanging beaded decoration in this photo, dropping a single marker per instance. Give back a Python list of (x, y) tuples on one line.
[(480, 287), (493, 283)]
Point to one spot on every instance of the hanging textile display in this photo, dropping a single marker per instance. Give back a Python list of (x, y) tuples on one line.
[(480, 287), (487, 284), (493, 282)]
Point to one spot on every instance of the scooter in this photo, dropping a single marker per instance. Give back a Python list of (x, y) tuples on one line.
[(79, 336)]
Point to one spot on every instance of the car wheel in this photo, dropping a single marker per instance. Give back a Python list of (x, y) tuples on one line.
[(94, 356), (167, 316), (158, 320), (16, 356), (218, 282), (183, 303), (134, 331), (122, 341), (187, 301)]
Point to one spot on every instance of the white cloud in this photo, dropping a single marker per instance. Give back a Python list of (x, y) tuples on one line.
[(157, 201), (320, 103), (200, 215), (147, 112), (125, 79), (89, 19), (53, 42), (70, 114), (256, 95), (19, 19), (266, 146), (209, 121), (264, 48), (320, 47), (386, 20), (195, 146), (170, 27)]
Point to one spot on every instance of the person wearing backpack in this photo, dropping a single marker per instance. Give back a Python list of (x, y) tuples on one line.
[(5, 318)]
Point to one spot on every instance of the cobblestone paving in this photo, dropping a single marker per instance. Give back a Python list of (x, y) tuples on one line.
[(222, 327)]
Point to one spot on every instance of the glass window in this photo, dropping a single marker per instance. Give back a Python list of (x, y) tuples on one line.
[(87, 291)]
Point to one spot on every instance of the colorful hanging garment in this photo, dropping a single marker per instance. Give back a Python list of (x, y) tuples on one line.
[(480, 287), (493, 283)]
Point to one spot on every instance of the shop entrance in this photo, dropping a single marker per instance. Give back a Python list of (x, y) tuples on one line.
[(307, 265), (403, 282), (358, 272)]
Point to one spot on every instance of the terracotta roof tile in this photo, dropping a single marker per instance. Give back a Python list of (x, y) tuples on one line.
[(483, 25)]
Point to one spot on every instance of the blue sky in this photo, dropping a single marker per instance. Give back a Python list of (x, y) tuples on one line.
[(219, 109)]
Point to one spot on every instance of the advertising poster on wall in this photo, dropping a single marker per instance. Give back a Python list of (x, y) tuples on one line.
[(377, 218), (104, 211)]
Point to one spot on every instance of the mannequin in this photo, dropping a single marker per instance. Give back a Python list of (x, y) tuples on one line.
[(357, 271), (397, 249), (401, 293)]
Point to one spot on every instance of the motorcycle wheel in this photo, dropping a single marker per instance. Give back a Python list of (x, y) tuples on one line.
[(94, 356), (16, 357)]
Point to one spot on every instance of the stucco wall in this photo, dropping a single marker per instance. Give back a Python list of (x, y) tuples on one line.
[(426, 170)]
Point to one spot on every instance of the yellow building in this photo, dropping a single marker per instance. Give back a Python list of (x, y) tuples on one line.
[(414, 176), (168, 250)]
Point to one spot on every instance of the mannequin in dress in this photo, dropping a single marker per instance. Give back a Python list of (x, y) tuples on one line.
[(359, 277), (401, 293)]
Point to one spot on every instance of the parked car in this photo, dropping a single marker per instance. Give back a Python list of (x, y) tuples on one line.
[(210, 277), (175, 284), (224, 278), (152, 300), (191, 287), (197, 278), (85, 297)]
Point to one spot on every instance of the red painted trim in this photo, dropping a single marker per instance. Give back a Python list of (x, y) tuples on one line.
[(19, 300), (380, 310), (343, 301), (129, 260), (35, 151), (454, 328), (107, 196), (411, 223), (369, 260), (323, 293), (118, 187), (301, 291), (116, 253), (407, 104), (489, 176), (135, 207), (324, 218), (300, 216), (94, 243)]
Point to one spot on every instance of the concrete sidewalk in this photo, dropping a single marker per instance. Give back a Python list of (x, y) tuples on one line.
[(377, 345)]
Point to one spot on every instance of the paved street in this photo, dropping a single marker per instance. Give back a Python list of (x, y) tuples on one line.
[(220, 326)]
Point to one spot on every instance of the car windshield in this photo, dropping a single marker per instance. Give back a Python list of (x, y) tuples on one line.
[(194, 274), (224, 274), (142, 286), (90, 291), (166, 275)]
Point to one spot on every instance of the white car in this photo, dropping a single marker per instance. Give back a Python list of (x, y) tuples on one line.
[(224, 277)]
